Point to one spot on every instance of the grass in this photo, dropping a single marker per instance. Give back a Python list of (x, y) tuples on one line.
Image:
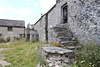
[(89, 56), (21, 53), (2, 40), (55, 44)]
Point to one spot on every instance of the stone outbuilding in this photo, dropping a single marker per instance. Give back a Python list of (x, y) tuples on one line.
[(41, 27), (31, 35), (11, 28)]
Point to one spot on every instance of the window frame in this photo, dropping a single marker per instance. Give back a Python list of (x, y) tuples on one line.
[(10, 28), (62, 13)]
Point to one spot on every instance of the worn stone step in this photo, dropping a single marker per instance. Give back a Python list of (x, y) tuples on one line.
[(62, 25), (55, 50), (70, 43), (55, 54), (74, 47), (65, 38), (64, 34), (60, 29)]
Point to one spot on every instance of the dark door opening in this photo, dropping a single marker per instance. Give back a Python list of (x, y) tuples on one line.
[(28, 36), (65, 14)]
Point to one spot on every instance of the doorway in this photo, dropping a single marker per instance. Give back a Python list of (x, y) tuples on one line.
[(65, 14), (28, 36)]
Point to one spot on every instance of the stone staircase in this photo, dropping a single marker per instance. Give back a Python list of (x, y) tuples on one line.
[(60, 56), (65, 38)]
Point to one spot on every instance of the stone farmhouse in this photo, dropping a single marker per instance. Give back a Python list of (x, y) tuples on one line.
[(11, 28), (80, 17)]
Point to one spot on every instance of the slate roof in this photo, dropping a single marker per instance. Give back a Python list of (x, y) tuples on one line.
[(12, 23), (33, 32), (46, 13)]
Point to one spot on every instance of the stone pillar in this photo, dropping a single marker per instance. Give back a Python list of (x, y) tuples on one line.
[(31, 37)]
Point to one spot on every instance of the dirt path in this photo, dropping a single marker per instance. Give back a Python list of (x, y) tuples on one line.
[(2, 62)]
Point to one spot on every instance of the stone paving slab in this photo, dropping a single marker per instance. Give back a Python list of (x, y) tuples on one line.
[(57, 50), (57, 56), (2, 62)]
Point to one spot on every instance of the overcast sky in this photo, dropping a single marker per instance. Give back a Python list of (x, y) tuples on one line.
[(27, 10)]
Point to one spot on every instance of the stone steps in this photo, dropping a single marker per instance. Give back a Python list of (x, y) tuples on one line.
[(64, 34), (69, 43), (74, 47), (57, 55), (62, 25), (64, 38), (60, 30)]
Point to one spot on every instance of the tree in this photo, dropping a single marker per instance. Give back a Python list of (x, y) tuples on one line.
[(28, 26), (32, 26)]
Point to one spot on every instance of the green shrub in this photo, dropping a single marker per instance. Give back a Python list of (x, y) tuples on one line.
[(55, 44), (89, 56), (8, 39), (40, 57), (2, 40), (17, 38)]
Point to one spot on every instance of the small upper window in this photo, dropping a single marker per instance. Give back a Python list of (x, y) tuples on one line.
[(9, 28)]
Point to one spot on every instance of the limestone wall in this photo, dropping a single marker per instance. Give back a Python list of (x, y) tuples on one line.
[(83, 18), (86, 26), (40, 27), (14, 33), (54, 18)]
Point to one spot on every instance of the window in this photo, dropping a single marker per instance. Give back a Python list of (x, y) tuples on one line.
[(20, 35), (9, 28)]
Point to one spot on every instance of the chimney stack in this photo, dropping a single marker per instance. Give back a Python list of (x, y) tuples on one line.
[(57, 1)]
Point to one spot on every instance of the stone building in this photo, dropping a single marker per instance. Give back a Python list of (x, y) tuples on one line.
[(11, 28), (31, 35), (82, 17), (41, 27)]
